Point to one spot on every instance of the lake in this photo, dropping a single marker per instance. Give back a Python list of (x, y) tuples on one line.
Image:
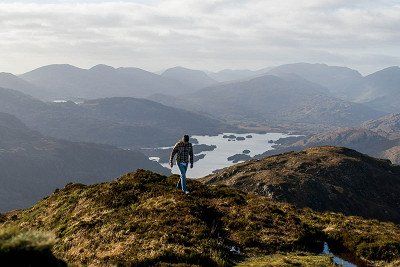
[(226, 147)]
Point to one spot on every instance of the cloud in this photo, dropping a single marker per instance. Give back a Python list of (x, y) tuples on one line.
[(206, 34)]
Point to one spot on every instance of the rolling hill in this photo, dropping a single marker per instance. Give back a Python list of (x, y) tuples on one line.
[(122, 122), (8, 80), (379, 90), (322, 178), (339, 81), (388, 126), (383, 89), (273, 100), (33, 165), (191, 79)]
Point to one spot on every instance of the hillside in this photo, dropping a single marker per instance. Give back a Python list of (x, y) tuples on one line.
[(69, 82), (383, 89), (33, 165), (190, 79), (122, 122), (136, 111), (388, 126), (363, 140), (11, 81), (339, 81), (141, 220), (273, 100), (322, 178), (228, 75), (393, 154), (370, 142)]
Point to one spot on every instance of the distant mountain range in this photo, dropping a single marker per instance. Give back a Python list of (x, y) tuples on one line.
[(69, 82), (33, 165), (378, 90), (123, 122), (322, 178), (287, 99)]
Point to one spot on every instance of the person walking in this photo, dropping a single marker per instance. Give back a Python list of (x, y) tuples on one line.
[(183, 150)]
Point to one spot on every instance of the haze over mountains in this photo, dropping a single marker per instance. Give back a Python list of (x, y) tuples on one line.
[(276, 101), (379, 90), (307, 98), (33, 165), (123, 122), (66, 81)]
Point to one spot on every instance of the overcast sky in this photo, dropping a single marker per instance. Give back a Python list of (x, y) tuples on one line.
[(201, 34)]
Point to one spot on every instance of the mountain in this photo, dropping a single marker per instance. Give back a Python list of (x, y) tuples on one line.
[(363, 140), (8, 80), (371, 142), (122, 122), (33, 165), (228, 75), (191, 79), (69, 82), (275, 101), (339, 81), (393, 154), (141, 219), (388, 126), (322, 178), (135, 111), (383, 89)]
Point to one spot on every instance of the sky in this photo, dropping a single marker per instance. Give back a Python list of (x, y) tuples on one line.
[(200, 34)]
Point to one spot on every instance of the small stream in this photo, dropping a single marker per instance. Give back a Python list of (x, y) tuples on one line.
[(338, 260)]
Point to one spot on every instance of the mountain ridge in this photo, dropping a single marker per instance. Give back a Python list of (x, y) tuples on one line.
[(147, 221), (322, 178)]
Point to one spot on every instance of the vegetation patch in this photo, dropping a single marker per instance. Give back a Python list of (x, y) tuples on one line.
[(141, 219)]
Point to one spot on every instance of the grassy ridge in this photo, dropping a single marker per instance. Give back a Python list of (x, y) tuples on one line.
[(141, 219), (27, 248)]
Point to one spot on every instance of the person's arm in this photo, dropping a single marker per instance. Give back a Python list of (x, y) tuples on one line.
[(173, 153), (191, 155)]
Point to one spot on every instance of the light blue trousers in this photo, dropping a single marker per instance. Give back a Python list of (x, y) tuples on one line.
[(182, 168)]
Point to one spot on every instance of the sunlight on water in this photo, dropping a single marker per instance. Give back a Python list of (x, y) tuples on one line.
[(218, 158)]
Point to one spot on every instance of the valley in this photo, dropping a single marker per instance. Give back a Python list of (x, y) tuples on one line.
[(287, 162)]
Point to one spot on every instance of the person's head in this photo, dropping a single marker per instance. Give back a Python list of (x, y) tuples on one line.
[(185, 138)]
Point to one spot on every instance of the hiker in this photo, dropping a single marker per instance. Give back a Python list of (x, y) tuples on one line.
[(184, 155)]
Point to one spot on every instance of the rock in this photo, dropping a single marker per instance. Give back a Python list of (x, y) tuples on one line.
[(239, 157)]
